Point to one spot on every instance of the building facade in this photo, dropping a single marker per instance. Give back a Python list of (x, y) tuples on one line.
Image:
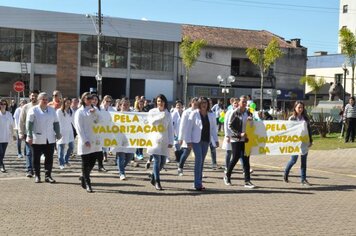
[(53, 50), (347, 16), (225, 54)]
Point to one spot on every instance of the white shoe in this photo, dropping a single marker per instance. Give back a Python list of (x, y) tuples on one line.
[(61, 167), (122, 177), (180, 172), (19, 156), (249, 185)]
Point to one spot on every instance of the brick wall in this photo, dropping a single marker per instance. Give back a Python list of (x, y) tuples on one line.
[(67, 58)]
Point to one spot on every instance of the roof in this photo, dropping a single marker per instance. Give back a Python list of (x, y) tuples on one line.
[(232, 38), (29, 19)]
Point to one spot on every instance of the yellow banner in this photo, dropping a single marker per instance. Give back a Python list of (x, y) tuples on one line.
[(130, 129), (277, 138)]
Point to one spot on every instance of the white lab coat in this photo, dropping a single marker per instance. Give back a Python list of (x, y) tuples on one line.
[(83, 122), (183, 126), (167, 138), (65, 124), (195, 127), (43, 124), (6, 127)]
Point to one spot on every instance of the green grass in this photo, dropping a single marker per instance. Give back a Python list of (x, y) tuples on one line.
[(332, 141)]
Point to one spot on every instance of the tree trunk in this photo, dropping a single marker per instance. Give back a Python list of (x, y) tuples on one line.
[(185, 89), (261, 96), (353, 81), (315, 99)]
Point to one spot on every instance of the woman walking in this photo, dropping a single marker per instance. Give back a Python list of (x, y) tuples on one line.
[(123, 154), (96, 104), (66, 118), (88, 146), (160, 152), (202, 131), (299, 114), (6, 134)]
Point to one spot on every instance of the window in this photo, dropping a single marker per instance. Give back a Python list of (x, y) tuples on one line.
[(113, 51), (345, 9), (152, 55), (235, 67), (45, 47), (15, 45)]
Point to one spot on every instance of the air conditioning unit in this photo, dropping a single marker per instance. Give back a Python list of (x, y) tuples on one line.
[(209, 55)]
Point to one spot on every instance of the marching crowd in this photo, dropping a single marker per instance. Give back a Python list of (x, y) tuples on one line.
[(48, 126)]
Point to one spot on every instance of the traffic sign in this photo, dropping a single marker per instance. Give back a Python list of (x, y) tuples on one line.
[(19, 86)]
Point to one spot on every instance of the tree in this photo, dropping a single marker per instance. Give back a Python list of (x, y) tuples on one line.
[(190, 51), (348, 47), (264, 58), (314, 83)]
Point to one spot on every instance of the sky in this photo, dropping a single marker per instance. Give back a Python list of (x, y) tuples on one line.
[(315, 22)]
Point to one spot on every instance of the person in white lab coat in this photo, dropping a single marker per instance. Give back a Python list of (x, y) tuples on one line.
[(43, 129), (7, 131), (161, 151), (66, 118), (89, 148)]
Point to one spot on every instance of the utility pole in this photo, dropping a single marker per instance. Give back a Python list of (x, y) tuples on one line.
[(99, 76)]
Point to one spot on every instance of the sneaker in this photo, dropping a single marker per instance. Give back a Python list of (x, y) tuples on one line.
[(43, 157), (139, 157), (168, 160), (214, 167), (61, 167), (37, 179), (50, 180), (20, 156), (29, 174), (2, 169), (306, 183), (249, 185), (180, 172), (285, 178), (251, 170), (227, 181), (122, 177), (102, 169), (148, 164)]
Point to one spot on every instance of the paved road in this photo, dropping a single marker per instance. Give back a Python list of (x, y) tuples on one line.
[(134, 207)]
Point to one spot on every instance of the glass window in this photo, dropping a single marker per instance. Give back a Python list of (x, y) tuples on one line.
[(345, 9), (157, 55), (15, 45), (146, 55), (45, 47), (88, 50), (168, 57), (136, 50)]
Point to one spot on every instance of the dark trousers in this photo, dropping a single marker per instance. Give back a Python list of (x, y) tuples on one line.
[(88, 162), (100, 158), (238, 151), (47, 150), (3, 147), (351, 128)]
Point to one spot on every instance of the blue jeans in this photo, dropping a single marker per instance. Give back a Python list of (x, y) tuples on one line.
[(227, 158), (63, 159), (122, 160), (303, 165), (213, 154), (3, 147), (183, 157), (158, 165), (19, 142), (200, 150), (28, 157)]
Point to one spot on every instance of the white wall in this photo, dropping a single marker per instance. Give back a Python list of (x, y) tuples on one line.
[(347, 19), (154, 87)]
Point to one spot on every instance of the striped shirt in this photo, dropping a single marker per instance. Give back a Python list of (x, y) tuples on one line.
[(350, 111)]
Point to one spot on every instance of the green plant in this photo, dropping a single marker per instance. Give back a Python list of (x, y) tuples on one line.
[(314, 83)]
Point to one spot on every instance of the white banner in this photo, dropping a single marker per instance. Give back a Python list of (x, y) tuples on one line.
[(277, 138), (130, 129)]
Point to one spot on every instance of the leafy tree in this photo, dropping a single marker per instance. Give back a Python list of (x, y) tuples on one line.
[(190, 51), (314, 83), (264, 58), (348, 47)]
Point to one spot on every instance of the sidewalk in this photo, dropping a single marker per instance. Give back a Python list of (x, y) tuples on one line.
[(134, 207)]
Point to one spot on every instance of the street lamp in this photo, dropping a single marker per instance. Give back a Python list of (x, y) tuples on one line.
[(344, 67), (225, 82)]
